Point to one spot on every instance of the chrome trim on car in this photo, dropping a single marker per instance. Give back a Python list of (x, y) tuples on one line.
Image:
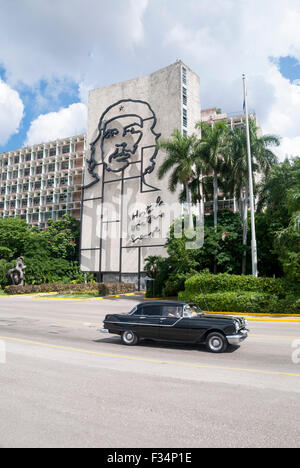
[(145, 324), (104, 330), (238, 338)]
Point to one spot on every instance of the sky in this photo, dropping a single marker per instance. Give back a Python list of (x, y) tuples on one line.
[(52, 52)]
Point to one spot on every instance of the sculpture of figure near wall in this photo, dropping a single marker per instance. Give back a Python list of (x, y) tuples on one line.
[(17, 274)]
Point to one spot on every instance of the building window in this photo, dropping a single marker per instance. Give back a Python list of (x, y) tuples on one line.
[(15, 175), (25, 187), (14, 189), (27, 171), (40, 154), (49, 199), (184, 75), (50, 182), (52, 152), (13, 204), (65, 165), (2, 190), (64, 181), (184, 96), (17, 159), (5, 162), (66, 149), (4, 176), (37, 185), (35, 216), (28, 157), (51, 167), (184, 117), (24, 201), (36, 200), (39, 170), (48, 214)]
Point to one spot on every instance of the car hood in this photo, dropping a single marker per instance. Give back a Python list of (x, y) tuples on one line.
[(226, 317)]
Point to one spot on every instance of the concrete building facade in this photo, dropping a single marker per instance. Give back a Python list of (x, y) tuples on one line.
[(42, 181), (127, 210)]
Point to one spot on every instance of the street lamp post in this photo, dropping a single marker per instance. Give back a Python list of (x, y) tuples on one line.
[(251, 194)]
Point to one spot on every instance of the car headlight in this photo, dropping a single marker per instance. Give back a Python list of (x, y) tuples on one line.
[(237, 326)]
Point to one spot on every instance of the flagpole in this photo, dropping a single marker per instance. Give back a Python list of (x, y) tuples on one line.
[(251, 192)]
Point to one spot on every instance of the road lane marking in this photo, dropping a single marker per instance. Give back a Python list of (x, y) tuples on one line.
[(155, 361)]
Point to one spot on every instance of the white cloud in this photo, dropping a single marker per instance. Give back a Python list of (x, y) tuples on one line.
[(95, 43), (290, 147), (50, 38), (11, 112), (64, 123)]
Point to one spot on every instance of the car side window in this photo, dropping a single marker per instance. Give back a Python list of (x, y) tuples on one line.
[(152, 311), (172, 311), (137, 312)]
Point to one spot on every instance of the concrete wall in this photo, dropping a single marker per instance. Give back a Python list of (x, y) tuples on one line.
[(122, 188)]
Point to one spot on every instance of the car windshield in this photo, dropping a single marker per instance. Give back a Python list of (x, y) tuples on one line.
[(192, 310)]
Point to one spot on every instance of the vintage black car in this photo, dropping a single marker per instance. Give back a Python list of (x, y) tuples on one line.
[(177, 322)]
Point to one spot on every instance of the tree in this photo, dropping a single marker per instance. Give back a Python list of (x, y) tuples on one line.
[(180, 161), (279, 202), (263, 159), (211, 150), (287, 240)]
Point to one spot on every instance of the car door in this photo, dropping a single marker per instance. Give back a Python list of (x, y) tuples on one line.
[(174, 327), (149, 321)]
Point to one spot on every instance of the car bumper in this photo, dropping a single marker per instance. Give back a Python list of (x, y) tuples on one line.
[(104, 330), (238, 338)]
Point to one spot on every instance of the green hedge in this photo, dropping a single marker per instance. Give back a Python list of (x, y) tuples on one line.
[(232, 293), (209, 283), (230, 301), (104, 289)]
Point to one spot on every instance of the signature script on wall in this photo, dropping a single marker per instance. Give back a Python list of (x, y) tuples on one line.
[(143, 220), (126, 136)]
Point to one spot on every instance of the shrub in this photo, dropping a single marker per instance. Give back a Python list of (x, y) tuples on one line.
[(103, 289), (209, 283), (232, 293), (230, 301)]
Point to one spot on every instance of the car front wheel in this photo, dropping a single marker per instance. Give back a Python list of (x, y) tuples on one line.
[(129, 338), (216, 342)]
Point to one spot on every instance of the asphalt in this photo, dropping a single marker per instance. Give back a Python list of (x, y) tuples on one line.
[(66, 385)]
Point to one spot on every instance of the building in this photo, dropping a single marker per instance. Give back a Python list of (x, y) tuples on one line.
[(42, 181), (108, 178), (127, 210), (233, 119)]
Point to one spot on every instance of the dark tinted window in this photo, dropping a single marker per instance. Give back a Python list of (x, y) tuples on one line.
[(152, 310), (172, 311), (137, 312)]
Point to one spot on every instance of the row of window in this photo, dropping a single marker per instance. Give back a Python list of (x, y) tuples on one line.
[(39, 155), (184, 100), (38, 170), (36, 185)]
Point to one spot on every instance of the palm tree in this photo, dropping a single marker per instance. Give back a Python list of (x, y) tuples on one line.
[(263, 159), (180, 161), (211, 149)]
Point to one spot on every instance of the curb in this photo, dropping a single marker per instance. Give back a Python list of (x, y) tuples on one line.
[(87, 298)]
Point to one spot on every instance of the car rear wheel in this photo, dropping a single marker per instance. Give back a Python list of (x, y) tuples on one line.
[(216, 342), (129, 338)]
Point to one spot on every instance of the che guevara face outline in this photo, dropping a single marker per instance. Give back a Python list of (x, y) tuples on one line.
[(120, 139), (136, 130)]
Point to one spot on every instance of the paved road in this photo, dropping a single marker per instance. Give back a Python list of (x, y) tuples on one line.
[(65, 385)]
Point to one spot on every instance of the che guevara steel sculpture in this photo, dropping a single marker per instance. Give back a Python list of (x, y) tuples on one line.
[(17, 274)]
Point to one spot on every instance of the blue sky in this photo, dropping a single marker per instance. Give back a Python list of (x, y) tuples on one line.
[(57, 53)]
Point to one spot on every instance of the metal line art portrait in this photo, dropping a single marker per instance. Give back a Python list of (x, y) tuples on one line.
[(120, 132), (123, 155)]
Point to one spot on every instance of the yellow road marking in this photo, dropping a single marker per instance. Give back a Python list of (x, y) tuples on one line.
[(156, 361)]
